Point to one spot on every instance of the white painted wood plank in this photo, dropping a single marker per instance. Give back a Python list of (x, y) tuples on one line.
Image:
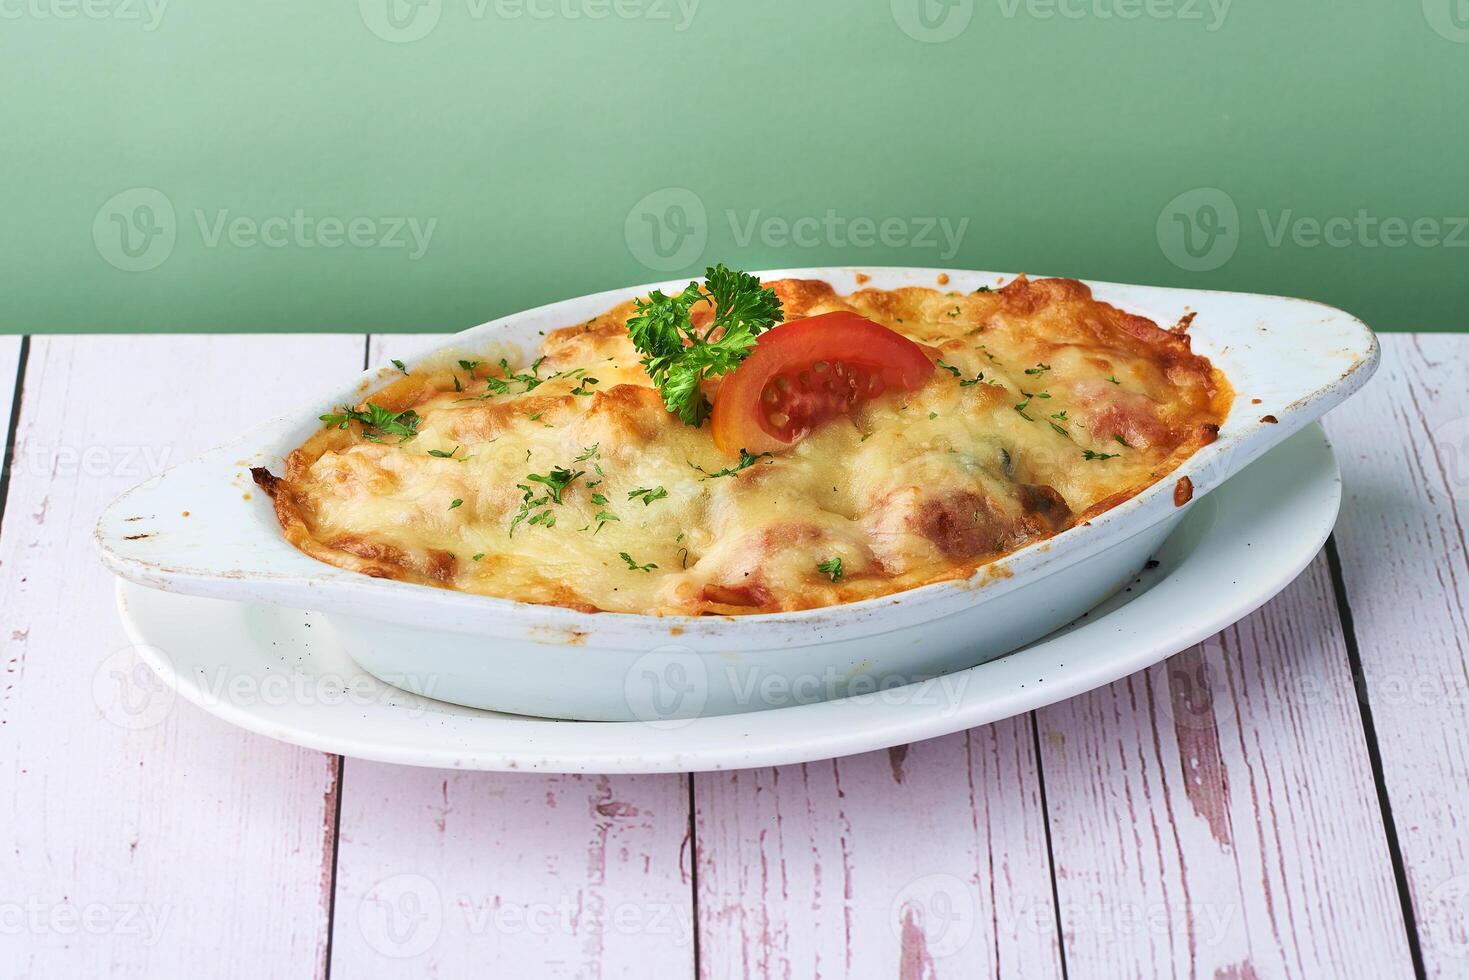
[(457, 874), (1404, 449), (1215, 816), (920, 862), (144, 838), (444, 873)]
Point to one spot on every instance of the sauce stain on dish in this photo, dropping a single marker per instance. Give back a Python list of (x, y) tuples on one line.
[(560, 636)]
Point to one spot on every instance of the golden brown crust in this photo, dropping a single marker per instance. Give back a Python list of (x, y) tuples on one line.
[(1049, 409)]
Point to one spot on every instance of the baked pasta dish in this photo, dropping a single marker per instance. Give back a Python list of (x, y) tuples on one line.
[(748, 447)]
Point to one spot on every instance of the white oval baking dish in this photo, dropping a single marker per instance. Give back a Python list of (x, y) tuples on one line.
[(1289, 361)]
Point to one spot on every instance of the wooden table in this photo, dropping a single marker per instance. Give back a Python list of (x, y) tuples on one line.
[(1288, 799)]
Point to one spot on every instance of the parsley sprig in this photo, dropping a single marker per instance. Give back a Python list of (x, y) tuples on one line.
[(648, 494), (747, 459), (634, 566), (532, 504), (678, 356), (377, 421), (556, 481)]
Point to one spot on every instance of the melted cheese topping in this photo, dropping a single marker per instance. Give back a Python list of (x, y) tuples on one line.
[(1047, 407)]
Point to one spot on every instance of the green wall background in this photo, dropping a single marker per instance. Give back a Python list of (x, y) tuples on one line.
[(187, 165)]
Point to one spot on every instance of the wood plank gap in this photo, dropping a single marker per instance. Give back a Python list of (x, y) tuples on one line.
[(7, 462), (694, 875), (1374, 757), (1040, 779), (331, 883), (341, 772)]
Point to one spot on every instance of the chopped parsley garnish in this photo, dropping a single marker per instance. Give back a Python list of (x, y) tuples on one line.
[(583, 389), (455, 503), (399, 365), (1088, 454), (1039, 369), (831, 568), (1021, 409), (589, 452), (556, 481), (746, 461), (1060, 416), (963, 381), (1123, 441), (678, 356), (603, 516), (377, 422), (634, 566), (477, 557), (469, 366), (983, 289), (648, 495), (528, 504), (1113, 379), (531, 505), (1060, 430), (531, 381), (440, 454)]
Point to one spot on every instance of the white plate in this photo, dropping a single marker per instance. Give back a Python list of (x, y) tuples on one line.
[(281, 673)]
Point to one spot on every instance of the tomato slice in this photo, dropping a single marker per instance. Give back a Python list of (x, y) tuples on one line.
[(804, 372)]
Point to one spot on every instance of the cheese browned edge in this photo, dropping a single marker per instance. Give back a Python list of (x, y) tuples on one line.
[(1048, 408)]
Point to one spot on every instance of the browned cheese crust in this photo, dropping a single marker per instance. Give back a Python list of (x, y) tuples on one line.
[(1047, 408)]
